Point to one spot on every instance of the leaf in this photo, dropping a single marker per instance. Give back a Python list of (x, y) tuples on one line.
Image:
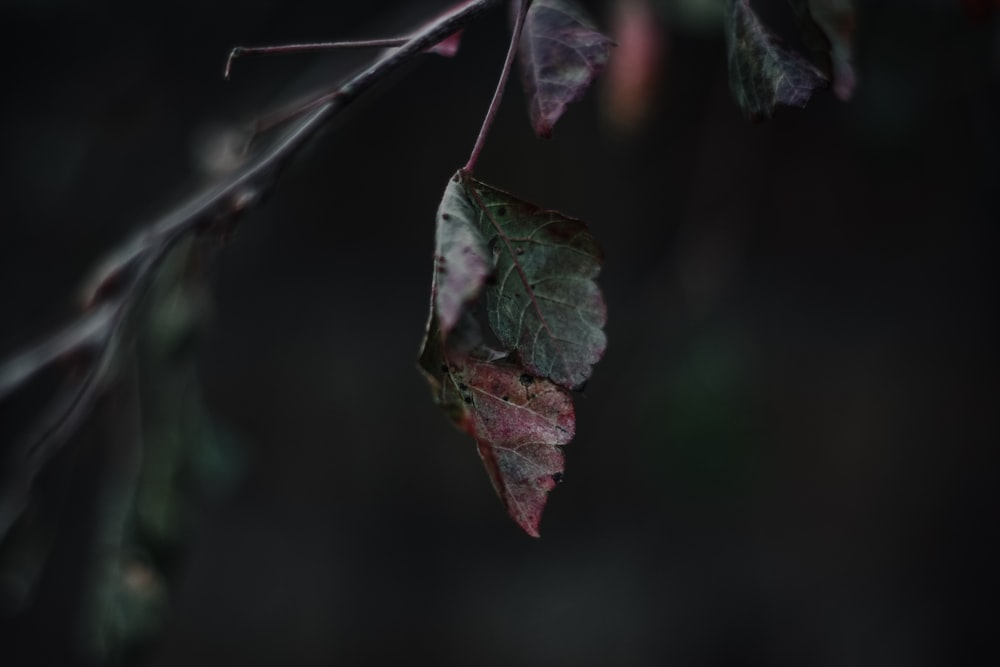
[(518, 421), (827, 29), (561, 53), (533, 272), (763, 74), (447, 47), (541, 300)]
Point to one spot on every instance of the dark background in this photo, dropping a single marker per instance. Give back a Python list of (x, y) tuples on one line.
[(785, 457)]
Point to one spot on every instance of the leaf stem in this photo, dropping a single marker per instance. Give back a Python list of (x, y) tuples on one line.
[(508, 63)]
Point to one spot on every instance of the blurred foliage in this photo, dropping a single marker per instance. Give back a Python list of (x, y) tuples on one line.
[(164, 458)]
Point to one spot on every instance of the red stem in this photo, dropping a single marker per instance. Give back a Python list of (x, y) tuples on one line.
[(501, 85)]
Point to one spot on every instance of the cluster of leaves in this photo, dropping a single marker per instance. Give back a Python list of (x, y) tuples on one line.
[(764, 74), (516, 317)]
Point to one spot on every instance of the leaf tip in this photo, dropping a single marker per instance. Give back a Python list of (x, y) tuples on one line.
[(529, 522), (543, 129)]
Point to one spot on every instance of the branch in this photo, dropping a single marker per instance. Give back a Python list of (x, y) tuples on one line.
[(242, 51), (111, 301)]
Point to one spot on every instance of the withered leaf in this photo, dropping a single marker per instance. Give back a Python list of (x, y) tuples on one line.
[(763, 74), (518, 422), (533, 272), (561, 53)]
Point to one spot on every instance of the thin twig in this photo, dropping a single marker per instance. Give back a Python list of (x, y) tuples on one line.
[(508, 63), (113, 300), (240, 51)]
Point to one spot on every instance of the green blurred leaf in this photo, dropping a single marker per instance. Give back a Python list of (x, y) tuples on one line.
[(763, 74), (518, 421), (828, 29)]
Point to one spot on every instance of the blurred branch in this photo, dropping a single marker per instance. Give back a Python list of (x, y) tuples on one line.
[(95, 339)]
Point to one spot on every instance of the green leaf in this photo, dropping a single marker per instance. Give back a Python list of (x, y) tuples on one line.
[(541, 300), (763, 74), (561, 53), (828, 29)]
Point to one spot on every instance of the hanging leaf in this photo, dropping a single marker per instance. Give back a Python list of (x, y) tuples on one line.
[(827, 29), (763, 74), (542, 302), (561, 53), (518, 421), (532, 272)]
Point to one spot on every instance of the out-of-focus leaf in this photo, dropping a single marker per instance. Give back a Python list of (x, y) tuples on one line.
[(561, 53), (519, 422), (447, 47), (763, 74), (828, 29), (635, 74), (135, 603)]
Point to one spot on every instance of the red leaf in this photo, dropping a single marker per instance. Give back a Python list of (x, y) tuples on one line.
[(561, 54), (448, 46), (519, 422), (519, 437)]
